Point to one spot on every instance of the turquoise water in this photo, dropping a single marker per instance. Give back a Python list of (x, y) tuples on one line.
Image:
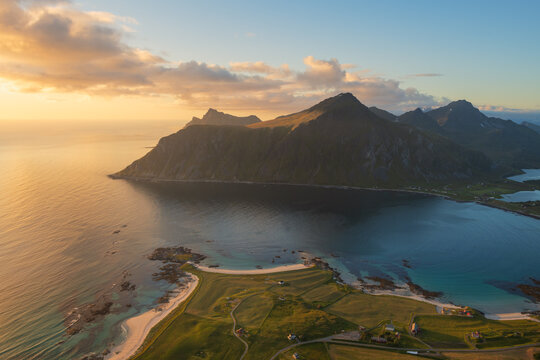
[(522, 196), (58, 212), (529, 174)]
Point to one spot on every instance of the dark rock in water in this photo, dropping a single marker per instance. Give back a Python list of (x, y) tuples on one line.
[(178, 255), (92, 357), (258, 266), (127, 285), (320, 263), (531, 291), (116, 231), (88, 313), (111, 300), (418, 290), (172, 273), (213, 266), (384, 283)]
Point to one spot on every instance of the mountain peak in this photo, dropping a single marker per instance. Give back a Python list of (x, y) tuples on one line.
[(214, 117), (461, 104), (338, 101), (342, 106)]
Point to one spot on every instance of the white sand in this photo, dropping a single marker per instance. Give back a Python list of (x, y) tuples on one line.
[(510, 316), (403, 292), (138, 327), (406, 293), (253, 271)]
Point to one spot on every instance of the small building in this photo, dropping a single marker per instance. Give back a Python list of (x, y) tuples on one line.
[(281, 282), (296, 356), (291, 336), (415, 329), (390, 327), (378, 339), (476, 334)]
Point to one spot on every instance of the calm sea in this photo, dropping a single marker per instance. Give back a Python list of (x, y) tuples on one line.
[(59, 213)]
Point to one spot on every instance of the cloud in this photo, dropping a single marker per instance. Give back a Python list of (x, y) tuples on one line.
[(51, 46)]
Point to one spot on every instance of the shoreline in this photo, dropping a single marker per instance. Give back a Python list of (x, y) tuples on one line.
[(272, 270), (340, 187), (138, 327), (404, 293)]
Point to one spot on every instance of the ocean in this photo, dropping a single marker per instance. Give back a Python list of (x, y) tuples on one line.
[(69, 235)]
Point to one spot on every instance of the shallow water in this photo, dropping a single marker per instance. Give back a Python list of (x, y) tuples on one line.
[(58, 212), (522, 196), (529, 174)]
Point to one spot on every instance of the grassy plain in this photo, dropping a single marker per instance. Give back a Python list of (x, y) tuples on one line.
[(311, 305), (453, 331)]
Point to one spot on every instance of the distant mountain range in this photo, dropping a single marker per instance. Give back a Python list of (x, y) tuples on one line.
[(508, 144), (532, 126), (214, 117), (336, 142)]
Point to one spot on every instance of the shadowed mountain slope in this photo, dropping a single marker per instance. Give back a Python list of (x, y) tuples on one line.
[(383, 113), (336, 142), (504, 141), (531, 126)]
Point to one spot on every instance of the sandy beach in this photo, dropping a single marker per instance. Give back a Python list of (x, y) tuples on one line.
[(138, 327), (405, 293), (253, 271), (510, 316)]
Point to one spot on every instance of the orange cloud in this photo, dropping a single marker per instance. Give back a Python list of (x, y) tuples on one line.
[(50, 46)]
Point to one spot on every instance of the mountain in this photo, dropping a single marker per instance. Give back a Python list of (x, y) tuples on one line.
[(420, 120), (505, 142), (531, 126), (214, 117), (336, 142), (383, 114)]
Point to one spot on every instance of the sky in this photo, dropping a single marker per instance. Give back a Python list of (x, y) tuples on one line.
[(170, 59)]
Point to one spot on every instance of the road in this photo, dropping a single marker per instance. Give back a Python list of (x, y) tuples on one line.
[(246, 345), (330, 340)]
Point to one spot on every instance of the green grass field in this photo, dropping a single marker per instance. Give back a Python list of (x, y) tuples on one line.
[(369, 310), (325, 294), (253, 311), (451, 331), (311, 305), (341, 352)]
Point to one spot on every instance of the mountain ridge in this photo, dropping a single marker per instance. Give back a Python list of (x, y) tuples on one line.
[(214, 117), (507, 143), (338, 141)]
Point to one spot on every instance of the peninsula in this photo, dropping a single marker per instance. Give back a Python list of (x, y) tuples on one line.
[(269, 314)]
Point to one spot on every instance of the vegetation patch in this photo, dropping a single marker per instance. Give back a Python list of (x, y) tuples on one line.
[(476, 331), (369, 310)]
